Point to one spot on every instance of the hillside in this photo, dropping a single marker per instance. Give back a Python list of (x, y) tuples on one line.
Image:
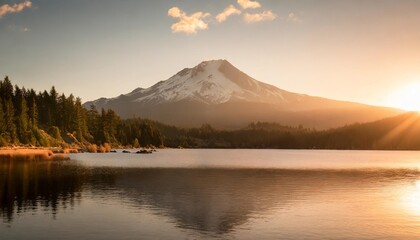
[(396, 133), (217, 93)]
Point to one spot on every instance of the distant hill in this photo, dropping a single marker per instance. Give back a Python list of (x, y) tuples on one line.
[(396, 133), (217, 93)]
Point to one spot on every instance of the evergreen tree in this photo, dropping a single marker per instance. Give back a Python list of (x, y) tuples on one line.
[(61, 113), (52, 106), (79, 121), (6, 89), (21, 115), (55, 133), (93, 123), (43, 104), (2, 122), (22, 123), (9, 123), (32, 110)]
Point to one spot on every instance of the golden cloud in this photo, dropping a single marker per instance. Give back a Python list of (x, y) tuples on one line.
[(230, 10), (15, 8), (187, 24), (259, 17), (249, 4)]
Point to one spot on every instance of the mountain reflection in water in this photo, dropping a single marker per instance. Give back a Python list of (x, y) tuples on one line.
[(217, 202)]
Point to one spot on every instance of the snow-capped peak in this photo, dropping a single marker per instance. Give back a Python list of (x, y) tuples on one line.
[(210, 82)]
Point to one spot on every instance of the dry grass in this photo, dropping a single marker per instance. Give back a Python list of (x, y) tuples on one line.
[(30, 154), (92, 148), (102, 149), (107, 147)]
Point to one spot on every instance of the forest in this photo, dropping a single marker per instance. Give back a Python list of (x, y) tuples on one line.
[(50, 119)]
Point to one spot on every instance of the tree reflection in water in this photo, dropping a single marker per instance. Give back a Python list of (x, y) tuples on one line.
[(27, 185)]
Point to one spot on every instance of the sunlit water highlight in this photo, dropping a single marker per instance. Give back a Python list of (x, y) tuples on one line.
[(221, 194)]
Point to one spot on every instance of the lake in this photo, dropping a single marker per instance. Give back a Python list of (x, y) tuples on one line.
[(214, 194)]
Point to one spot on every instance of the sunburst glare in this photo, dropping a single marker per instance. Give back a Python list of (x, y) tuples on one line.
[(407, 97)]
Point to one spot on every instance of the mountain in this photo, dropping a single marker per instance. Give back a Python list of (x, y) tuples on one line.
[(218, 93)]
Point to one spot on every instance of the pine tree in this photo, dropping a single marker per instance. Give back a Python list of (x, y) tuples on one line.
[(79, 121), (52, 106), (22, 123), (2, 122), (9, 123), (62, 114), (6, 89), (21, 115), (43, 103), (33, 113), (93, 123)]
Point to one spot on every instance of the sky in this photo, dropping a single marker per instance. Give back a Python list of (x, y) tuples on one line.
[(365, 51)]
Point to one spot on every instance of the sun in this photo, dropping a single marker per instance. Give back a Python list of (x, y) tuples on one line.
[(407, 97)]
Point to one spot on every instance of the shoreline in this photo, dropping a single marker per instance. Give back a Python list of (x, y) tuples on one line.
[(34, 153)]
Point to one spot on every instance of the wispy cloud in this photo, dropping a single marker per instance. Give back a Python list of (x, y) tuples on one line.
[(187, 24), (292, 17), (230, 10), (15, 8), (259, 17), (249, 4)]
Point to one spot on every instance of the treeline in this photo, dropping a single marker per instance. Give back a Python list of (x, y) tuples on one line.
[(53, 119), (255, 135), (398, 133)]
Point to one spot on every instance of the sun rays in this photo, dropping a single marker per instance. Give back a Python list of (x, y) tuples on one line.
[(401, 135)]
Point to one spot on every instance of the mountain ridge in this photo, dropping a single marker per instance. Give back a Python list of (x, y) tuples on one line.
[(214, 89)]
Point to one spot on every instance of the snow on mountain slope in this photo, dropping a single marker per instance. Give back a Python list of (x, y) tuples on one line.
[(210, 82), (204, 82)]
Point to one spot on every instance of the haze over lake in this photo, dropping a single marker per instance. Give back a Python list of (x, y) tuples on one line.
[(220, 194), (205, 119)]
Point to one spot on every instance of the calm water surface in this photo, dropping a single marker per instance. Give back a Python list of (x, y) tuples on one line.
[(220, 194)]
